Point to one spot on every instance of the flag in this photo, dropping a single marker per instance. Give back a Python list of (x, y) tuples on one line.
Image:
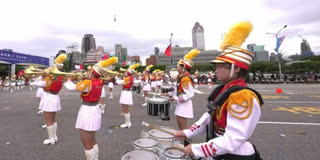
[(81, 66), (168, 51), (106, 56), (279, 42)]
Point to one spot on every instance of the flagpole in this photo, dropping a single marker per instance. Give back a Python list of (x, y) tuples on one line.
[(171, 48)]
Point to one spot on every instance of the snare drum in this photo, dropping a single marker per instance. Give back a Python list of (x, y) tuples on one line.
[(136, 88), (140, 154), (166, 89), (162, 136), (174, 154), (146, 143), (159, 107)]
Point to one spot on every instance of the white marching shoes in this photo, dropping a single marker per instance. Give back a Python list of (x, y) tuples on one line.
[(102, 107), (127, 123), (146, 100), (52, 134), (90, 154), (111, 95), (96, 150)]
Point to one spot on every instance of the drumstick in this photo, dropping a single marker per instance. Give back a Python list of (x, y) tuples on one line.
[(161, 129), (178, 147)]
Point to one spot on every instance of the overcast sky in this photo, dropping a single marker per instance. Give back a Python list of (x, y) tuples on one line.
[(43, 27)]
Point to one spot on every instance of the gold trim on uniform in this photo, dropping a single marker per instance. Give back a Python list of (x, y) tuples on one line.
[(81, 86), (185, 82)]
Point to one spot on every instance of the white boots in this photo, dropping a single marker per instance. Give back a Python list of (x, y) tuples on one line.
[(102, 107), (52, 134), (127, 123), (111, 95), (92, 154), (146, 101)]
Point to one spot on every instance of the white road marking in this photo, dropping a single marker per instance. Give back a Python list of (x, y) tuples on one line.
[(289, 92), (7, 108), (292, 123), (314, 102)]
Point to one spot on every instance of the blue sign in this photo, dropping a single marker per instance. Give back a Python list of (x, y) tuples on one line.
[(14, 58)]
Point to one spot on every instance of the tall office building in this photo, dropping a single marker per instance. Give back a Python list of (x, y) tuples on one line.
[(121, 53), (88, 43), (305, 48), (198, 37), (260, 55)]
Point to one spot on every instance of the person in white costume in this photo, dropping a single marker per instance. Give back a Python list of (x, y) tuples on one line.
[(146, 84), (126, 94), (185, 91), (89, 115), (234, 109), (50, 103)]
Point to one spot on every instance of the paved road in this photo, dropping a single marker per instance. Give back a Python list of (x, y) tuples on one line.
[(21, 134)]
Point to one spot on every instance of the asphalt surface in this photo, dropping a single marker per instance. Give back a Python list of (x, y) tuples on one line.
[(21, 134)]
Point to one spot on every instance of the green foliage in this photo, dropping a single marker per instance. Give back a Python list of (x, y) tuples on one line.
[(66, 67), (273, 67), (312, 58)]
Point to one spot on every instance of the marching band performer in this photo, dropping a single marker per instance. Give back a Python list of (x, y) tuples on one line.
[(50, 103), (110, 86), (196, 78), (159, 79), (126, 94), (13, 83), (185, 91), (102, 100), (89, 115), (153, 81), (6, 83), (234, 109), (210, 83), (146, 84)]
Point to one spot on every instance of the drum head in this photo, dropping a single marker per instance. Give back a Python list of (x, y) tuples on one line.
[(166, 87), (161, 135), (158, 100), (146, 142), (173, 153), (140, 154)]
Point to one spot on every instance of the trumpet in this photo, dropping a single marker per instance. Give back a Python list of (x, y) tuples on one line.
[(109, 74), (54, 72)]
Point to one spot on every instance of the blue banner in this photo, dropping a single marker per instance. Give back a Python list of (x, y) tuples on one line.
[(14, 58)]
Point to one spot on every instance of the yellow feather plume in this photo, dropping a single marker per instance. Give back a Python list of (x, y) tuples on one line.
[(108, 62), (134, 66), (236, 35), (191, 54), (150, 66), (61, 58)]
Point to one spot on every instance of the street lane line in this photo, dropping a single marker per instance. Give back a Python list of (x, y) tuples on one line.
[(314, 102), (293, 123)]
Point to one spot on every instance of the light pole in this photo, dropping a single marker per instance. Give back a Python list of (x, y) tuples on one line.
[(279, 57)]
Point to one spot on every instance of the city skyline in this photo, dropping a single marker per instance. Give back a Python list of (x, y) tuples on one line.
[(140, 29)]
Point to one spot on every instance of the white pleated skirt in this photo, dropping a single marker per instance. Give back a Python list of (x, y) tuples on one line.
[(146, 87), (89, 118), (50, 103), (159, 83), (126, 97), (184, 109), (40, 92), (153, 84), (110, 85)]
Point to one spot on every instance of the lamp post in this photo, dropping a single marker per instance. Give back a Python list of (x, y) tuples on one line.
[(279, 57)]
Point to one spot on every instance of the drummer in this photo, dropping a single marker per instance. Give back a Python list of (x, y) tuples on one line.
[(232, 123), (126, 94), (184, 107), (146, 84)]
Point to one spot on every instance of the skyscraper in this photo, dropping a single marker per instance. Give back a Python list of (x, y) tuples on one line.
[(305, 48), (260, 55), (198, 37), (121, 53), (88, 43)]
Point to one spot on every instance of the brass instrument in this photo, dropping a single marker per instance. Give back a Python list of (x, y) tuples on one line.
[(31, 70), (109, 74), (54, 72)]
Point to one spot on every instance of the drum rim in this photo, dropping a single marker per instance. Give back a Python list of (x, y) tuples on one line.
[(170, 156), (161, 131), (157, 156), (165, 100), (151, 147)]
